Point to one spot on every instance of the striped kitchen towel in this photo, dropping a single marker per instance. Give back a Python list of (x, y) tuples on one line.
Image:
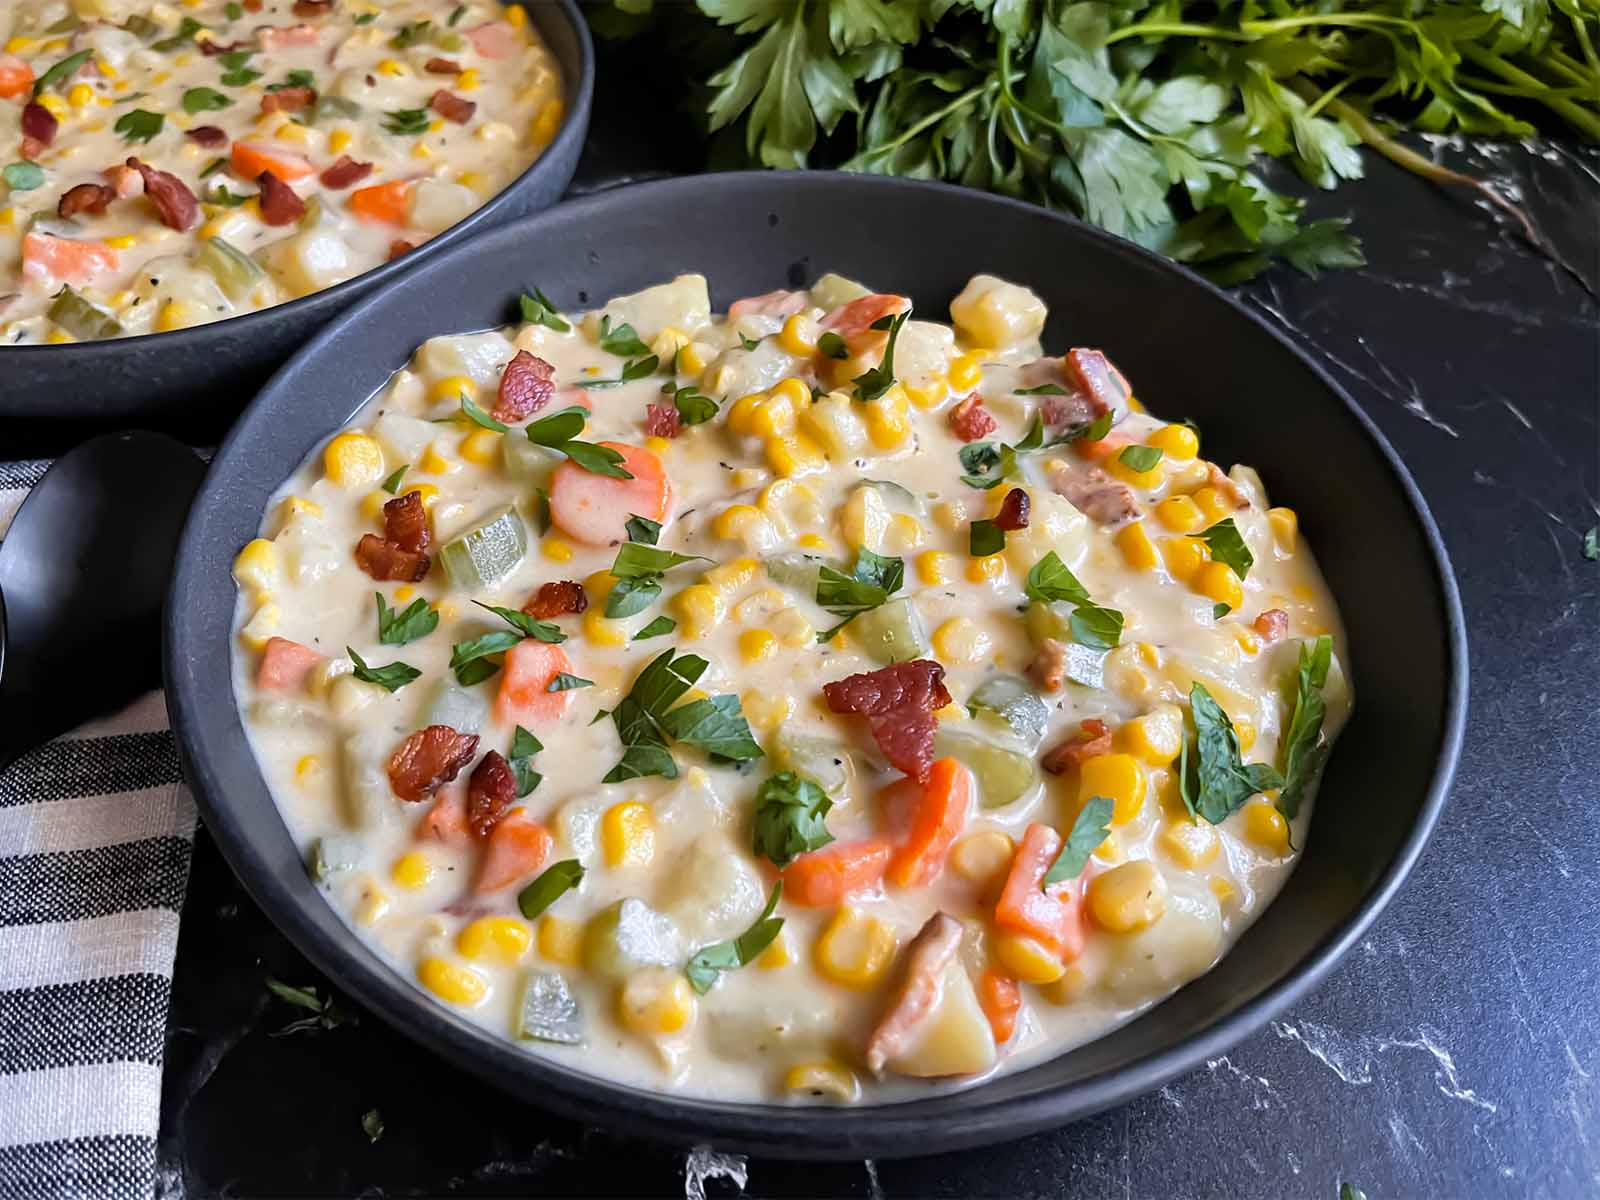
[(95, 836)]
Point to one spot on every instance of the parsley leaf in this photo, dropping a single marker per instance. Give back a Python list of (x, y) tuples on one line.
[(1050, 579), (1227, 546), (656, 628), (61, 70), (871, 582), (645, 720), (635, 560), (372, 1119), (1304, 749), (204, 99), (1096, 627), (523, 747), (392, 483), (564, 682), (708, 963), (139, 125), (560, 426), (396, 628), (715, 725), (621, 340), (532, 627), (832, 346), (694, 406), (1044, 389), (642, 530), (390, 678), (406, 122), (469, 659), (478, 417), (409, 35), (789, 818), (537, 310), (987, 467), (1139, 458), (985, 538), (1213, 778), (870, 385), (325, 1013), (1092, 826), (294, 79), (631, 596), (638, 368)]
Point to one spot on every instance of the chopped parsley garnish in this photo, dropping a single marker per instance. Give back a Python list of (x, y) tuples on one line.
[(1092, 826), (537, 310), (478, 417), (646, 720), (392, 484), (708, 963), (988, 467), (789, 818), (553, 882), (396, 628), (694, 407), (294, 79), (621, 340), (470, 659), (541, 511), (390, 678), (567, 683), (410, 35), (539, 631), (221, 196), (61, 70), (212, 167), (749, 343), (985, 538), (365, 18), (372, 1119), (1044, 389), (638, 569), (558, 431), (406, 122), (325, 1014), (870, 385), (1220, 610), (1213, 778), (456, 14), (235, 72), (23, 176), (832, 346), (1051, 581), (204, 99), (233, 11), (1304, 748), (1139, 458), (638, 368), (187, 28), (1227, 546), (140, 125), (642, 530), (523, 747), (871, 582), (656, 628)]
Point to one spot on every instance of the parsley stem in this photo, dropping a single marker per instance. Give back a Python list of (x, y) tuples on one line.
[(1584, 42), (933, 118), (1576, 113), (1177, 29)]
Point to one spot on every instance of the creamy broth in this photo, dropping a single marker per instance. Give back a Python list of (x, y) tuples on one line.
[(804, 463), (380, 126)]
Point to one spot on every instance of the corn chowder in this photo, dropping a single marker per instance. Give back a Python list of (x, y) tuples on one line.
[(166, 165), (798, 703)]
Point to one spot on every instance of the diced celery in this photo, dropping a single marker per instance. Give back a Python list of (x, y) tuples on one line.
[(527, 462), (826, 761), (332, 854), (629, 935), (333, 108), (1012, 701), (549, 1012), (488, 552), (830, 291), (447, 39), (83, 320), (898, 497), (463, 709), (235, 271), (1004, 775), (890, 633), (313, 213), (799, 571)]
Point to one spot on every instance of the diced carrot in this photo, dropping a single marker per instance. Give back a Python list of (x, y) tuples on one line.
[(855, 318), (517, 848), (939, 818), (595, 508), (285, 664), (524, 698), (1055, 917), (827, 876), (1001, 1001), (16, 77), (251, 158), (65, 260), (447, 819), (1104, 448), (388, 203), (494, 40)]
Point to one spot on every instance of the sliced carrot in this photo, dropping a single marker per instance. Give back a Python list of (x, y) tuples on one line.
[(16, 77), (1104, 448), (285, 664), (855, 318), (388, 203), (937, 821), (447, 819), (252, 158), (827, 876), (65, 260), (517, 848), (595, 508), (524, 697), (1001, 1001), (1055, 916), (494, 40)]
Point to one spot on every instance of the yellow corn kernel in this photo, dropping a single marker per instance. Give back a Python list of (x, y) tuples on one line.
[(777, 955), (1222, 889), (556, 549), (1110, 850), (298, 508), (339, 141), (961, 641), (794, 391), (741, 413), (905, 533), (731, 577), (257, 565), (560, 940), (291, 132), (8, 217), (391, 67), (655, 1002), (353, 460), (1264, 825), (668, 342), (107, 69), (428, 493), (1143, 480), (372, 903), (469, 80), (1027, 959), (856, 949), (813, 541), (794, 336), (175, 314), (966, 371), (774, 416), (983, 859), (307, 767), (80, 94), (125, 241), (929, 394), (498, 939), (1285, 527), (1246, 729), (1137, 550), (1216, 581), (516, 15), (743, 523), (452, 982), (421, 150), (888, 419), (481, 446), (261, 626), (1119, 778), (828, 1078), (548, 121), (20, 45), (797, 455), (793, 628), (659, 446), (1213, 504), (628, 834), (1156, 737), (1180, 514), (757, 645), (1175, 441), (412, 871), (1184, 557), (767, 710), (1191, 844), (54, 104), (935, 567), (701, 608), (1128, 898), (989, 568), (452, 388)]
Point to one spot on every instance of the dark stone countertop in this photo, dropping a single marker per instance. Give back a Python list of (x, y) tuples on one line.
[(1455, 1052)]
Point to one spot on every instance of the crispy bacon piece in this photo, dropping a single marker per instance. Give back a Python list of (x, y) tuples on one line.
[(441, 66), (209, 136), (30, 148), (212, 49), (39, 123), (86, 197), (490, 790), (1014, 510), (270, 37), (859, 315), (929, 953), (279, 203), (1271, 624), (291, 99), (899, 702), (1093, 737), (344, 172), (526, 386), (429, 759), (662, 420), (1093, 493), (125, 180), (971, 420), (771, 304), (452, 107), (312, 8), (556, 599), (174, 202), (1092, 374), (384, 560), (1049, 666), (400, 246), (405, 523), (1218, 478), (252, 5)]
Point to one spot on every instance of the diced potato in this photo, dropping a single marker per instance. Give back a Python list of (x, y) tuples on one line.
[(403, 438), (955, 1038), (830, 291), (374, 90), (790, 1022), (310, 261), (923, 352), (368, 801), (438, 204), (995, 314), (174, 279), (1182, 944), (740, 372), (629, 935), (1053, 524), (685, 304), (711, 891), (479, 356)]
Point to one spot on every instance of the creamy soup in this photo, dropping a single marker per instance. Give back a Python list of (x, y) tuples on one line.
[(813, 702), (166, 165)]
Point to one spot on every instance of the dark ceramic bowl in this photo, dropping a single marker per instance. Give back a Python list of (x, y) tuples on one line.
[(1191, 351), (218, 366)]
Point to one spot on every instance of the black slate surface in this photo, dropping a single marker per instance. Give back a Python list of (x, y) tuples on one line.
[(1456, 1052)]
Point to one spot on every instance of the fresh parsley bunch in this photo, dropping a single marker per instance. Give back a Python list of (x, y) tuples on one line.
[(1151, 118)]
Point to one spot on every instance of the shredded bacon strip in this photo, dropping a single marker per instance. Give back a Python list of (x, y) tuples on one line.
[(1093, 737), (929, 953), (526, 385), (174, 202), (86, 197), (291, 99), (1218, 478), (398, 554), (400, 246), (209, 136), (405, 523), (490, 790), (344, 172), (452, 107), (429, 759), (279, 203), (1271, 624), (899, 702), (662, 420), (39, 123), (971, 420), (213, 49), (556, 599), (312, 8), (441, 66), (1014, 510)]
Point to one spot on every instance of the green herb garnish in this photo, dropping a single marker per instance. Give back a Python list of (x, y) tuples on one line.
[(396, 628), (646, 721), (372, 1119), (694, 407), (325, 1014), (789, 818), (523, 747), (1051, 581), (139, 125), (642, 530), (639, 568), (639, 368), (833, 346), (870, 385), (1091, 827), (294, 79), (1227, 546), (532, 627), (478, 417), (187, 28), (392, 484), (558, 431), (871, 582), (1213, 778), (406, 122), (60, 71), (621, 340), (985, 538), (390, 678), (656, 628), (707, 965), (567, 683), (204, 99), (537, 310), (470, 659), (1139, 458), (1304, 748), (410, 35)]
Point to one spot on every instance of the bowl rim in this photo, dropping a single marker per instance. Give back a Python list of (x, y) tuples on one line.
[(574, 128), (895, 1129)]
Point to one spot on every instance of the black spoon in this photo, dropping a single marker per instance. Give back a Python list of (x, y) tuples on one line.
[(83, 572)]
